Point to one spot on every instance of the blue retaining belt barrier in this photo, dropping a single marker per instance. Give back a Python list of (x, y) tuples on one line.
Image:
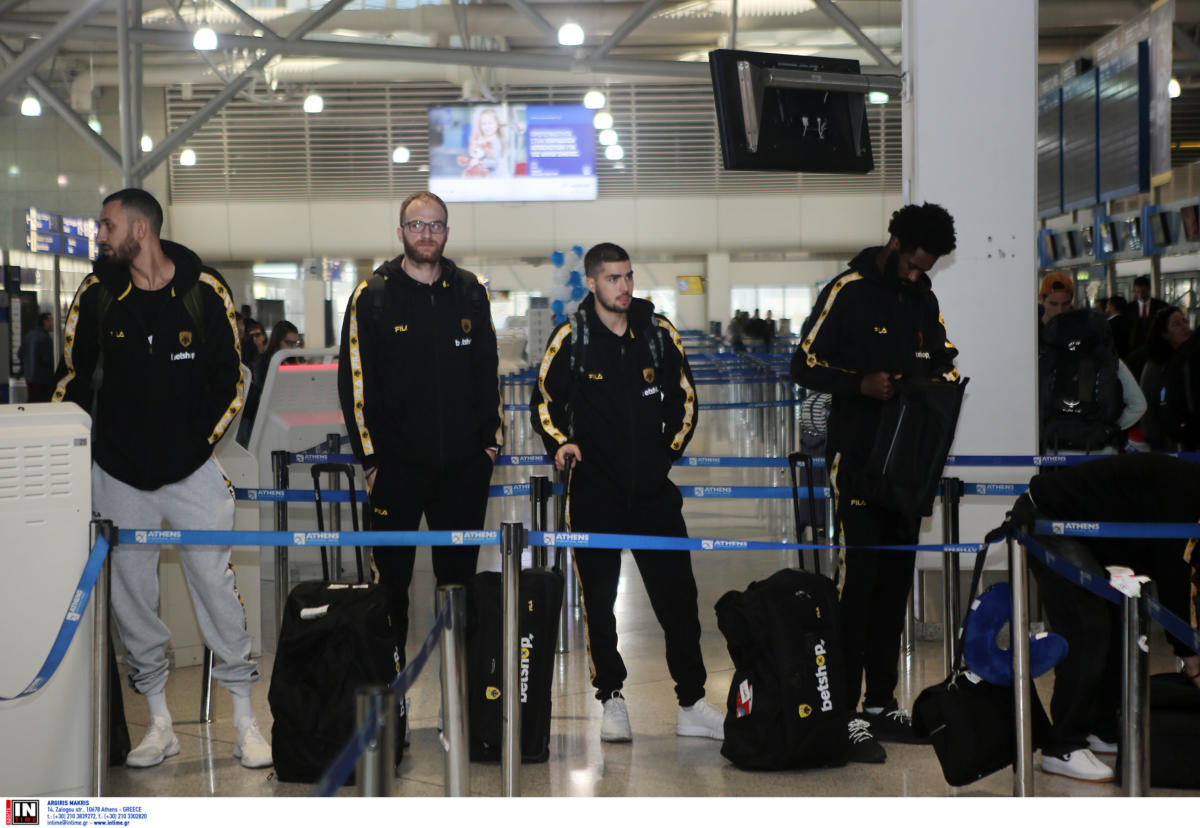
[(1094, 529), (71, 619), (1096, 584), (340, 768)]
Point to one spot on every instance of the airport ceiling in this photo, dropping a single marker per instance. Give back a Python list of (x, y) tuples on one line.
[(381, 50)]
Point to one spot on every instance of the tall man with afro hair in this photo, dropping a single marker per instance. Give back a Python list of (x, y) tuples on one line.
[(876, 324)]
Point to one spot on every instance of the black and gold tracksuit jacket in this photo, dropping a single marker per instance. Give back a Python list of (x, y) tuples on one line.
[(168, 392), (418, 372), (864, 322), (630, 418)]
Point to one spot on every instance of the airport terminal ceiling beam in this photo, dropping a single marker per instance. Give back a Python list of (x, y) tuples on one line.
[(188, 127), (31, 58), (182, 42), (51, 99), (536, 17), (851, 28), (247, 17), (648, 8)]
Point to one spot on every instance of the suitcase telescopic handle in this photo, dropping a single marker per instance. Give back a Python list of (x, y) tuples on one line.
[(319, 469)]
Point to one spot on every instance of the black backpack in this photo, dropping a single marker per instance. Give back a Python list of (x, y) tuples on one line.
[(786, 705), (1080, 391)]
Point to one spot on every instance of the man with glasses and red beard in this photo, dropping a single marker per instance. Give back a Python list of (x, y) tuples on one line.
[(418, 378), (166, 327), (876, 325)]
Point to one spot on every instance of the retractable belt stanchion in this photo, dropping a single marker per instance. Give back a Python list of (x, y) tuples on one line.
[(512, 540), (539, 494), (375, 768), (100, 663), (952, 489), (454, 690), (206, 668), (1135, 697), (1018, 577), (332, 444), (279, 466)]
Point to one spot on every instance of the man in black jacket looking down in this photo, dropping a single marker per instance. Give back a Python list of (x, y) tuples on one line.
[(876, 325), (615, 396)]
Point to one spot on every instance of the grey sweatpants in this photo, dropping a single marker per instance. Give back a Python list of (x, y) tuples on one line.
[(201, 501)]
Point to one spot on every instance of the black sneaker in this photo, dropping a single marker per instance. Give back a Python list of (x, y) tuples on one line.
[(894, 724), (863, 747)]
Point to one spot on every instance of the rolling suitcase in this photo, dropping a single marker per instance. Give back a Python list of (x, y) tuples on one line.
[(541, 595), (334, 638), (785, 707)]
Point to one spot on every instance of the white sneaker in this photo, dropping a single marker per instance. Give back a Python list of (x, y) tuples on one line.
[(615, 727), (1097, 745), (250, 746), (158, 743), (1078, 764), (701, 719)]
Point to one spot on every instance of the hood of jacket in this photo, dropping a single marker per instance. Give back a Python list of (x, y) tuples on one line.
[(117, 278), (864, 264), (639, 313)]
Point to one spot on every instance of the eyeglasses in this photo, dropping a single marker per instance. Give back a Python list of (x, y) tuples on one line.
[(258, 334), (417, 226), (291, 343)]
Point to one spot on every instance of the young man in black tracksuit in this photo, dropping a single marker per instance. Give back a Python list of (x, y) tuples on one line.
[(418, 378), (873, 326), (615, 396), (1133, 488)]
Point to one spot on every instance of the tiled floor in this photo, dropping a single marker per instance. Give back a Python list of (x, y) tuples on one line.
[(656, 763)]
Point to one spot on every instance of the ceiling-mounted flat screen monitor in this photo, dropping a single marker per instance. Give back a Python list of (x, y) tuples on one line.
[(1086, 243), (1131, 234), (512, 152), (1050, 247), (1190, 222), (1108, 238), (1160, 228), (768, 127)]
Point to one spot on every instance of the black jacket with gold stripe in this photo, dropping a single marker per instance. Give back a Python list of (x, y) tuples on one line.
[(864, 322), (630, 419), (169, 391), (418, 371)]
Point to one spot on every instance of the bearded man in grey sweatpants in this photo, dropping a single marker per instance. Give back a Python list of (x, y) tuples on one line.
[(165, 327)]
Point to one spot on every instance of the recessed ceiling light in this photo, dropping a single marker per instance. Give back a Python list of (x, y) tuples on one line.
[(205, 39), (400, 155), (31, 107), (570, 34), (594, 99), (187, 158), (314, 103)]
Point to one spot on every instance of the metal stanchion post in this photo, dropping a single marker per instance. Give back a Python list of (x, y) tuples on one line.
[(951, 601), (100, 664), (375, 768), (206, 667), (1018, 577), (279, 465), (512, 540), (454, 690), (1135, 698)]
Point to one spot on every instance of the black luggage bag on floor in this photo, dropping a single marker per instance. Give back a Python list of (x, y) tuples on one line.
[(1174, 732), (541, 595), (785, 706), (334, 639)]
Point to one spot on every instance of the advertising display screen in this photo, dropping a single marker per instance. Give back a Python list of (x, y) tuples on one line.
[(517, 152)]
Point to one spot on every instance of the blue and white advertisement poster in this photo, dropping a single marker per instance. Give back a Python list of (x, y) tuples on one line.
[(501, 152)]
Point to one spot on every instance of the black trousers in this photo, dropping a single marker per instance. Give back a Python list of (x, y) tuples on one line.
[(875, 584), (453, 498), (594, 506), (1087, 682)]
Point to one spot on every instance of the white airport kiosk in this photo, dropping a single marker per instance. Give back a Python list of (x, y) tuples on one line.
[(45, 511)]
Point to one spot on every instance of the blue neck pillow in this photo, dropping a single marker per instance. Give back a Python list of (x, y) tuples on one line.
[(984, 657)]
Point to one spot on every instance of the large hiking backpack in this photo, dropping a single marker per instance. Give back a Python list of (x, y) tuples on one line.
[(1080, 392), (786, 701)]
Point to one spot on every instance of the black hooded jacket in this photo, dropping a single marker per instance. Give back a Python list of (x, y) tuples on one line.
[(418, 372), (630, 419), (168, 393), (864, 322)]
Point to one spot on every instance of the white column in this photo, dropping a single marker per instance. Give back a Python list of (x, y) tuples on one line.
[(716, 273), (314, 312), (969, 144)]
